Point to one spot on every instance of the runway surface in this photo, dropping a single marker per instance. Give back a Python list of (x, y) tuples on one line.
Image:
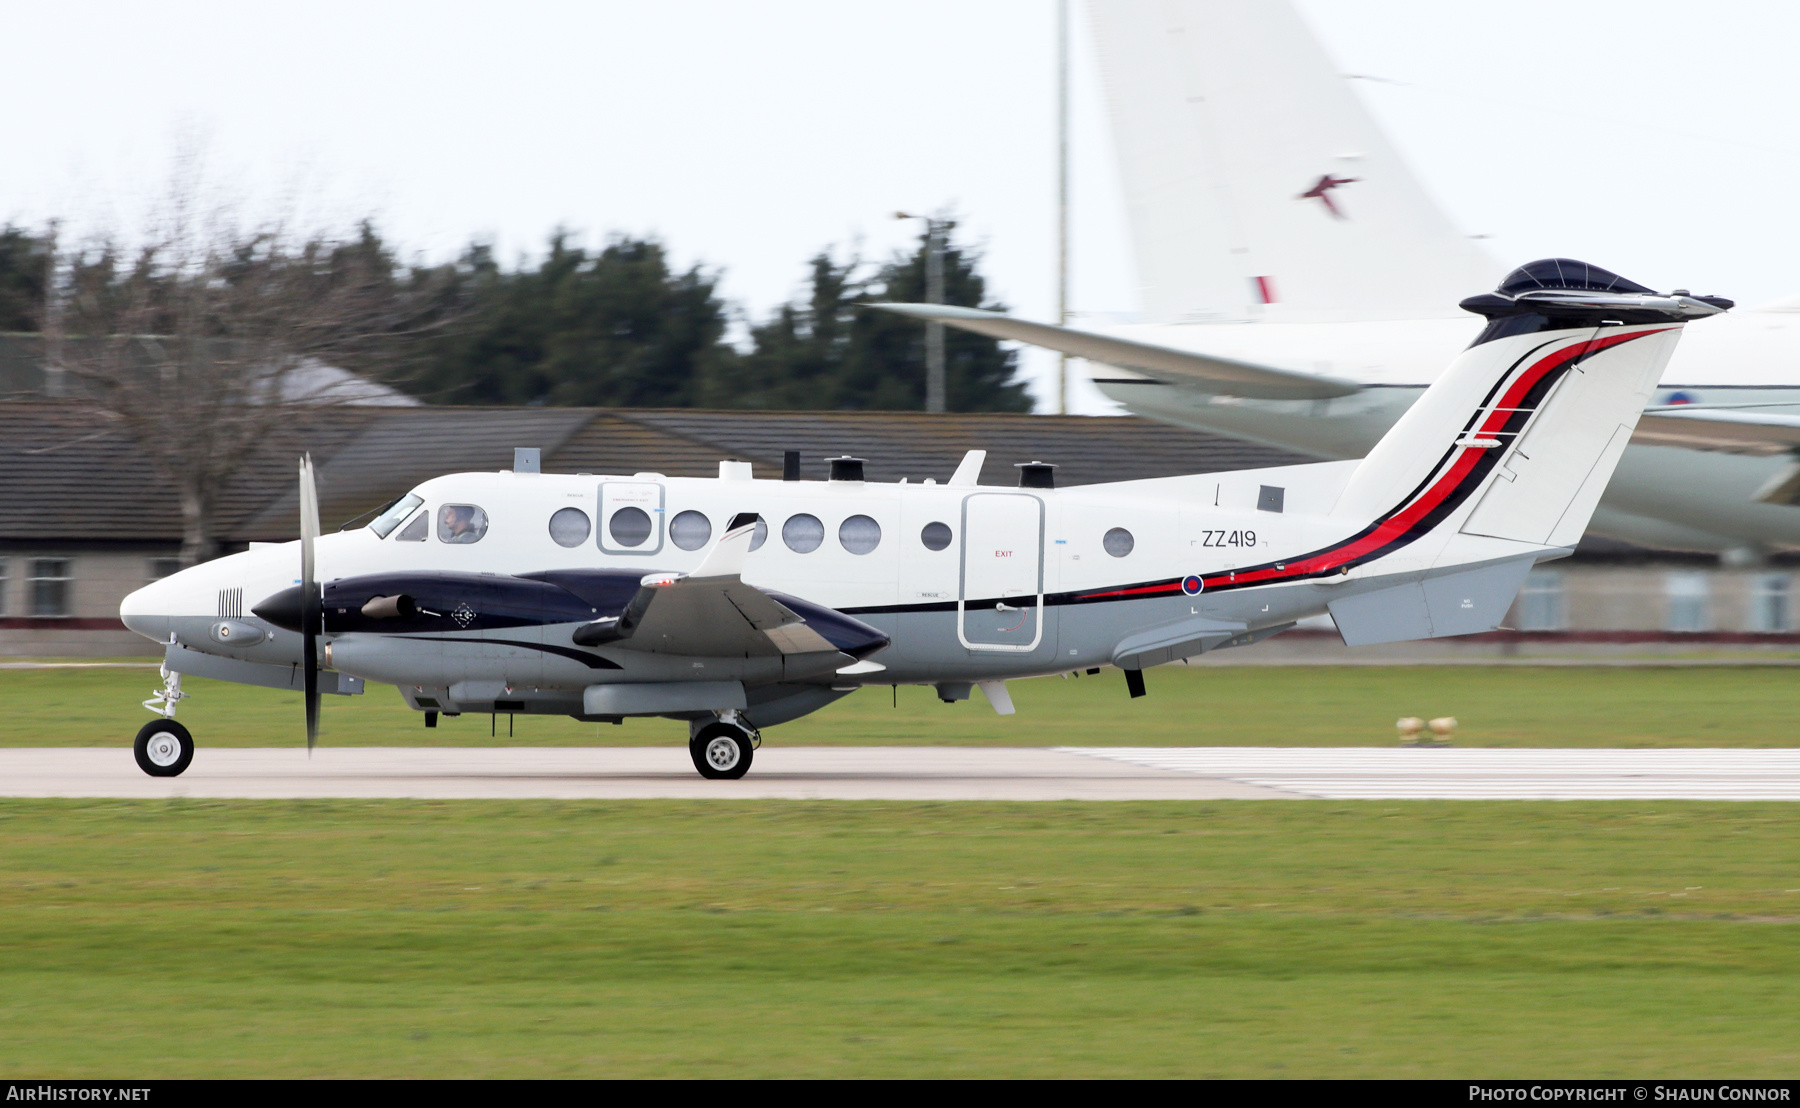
[(924, 773)]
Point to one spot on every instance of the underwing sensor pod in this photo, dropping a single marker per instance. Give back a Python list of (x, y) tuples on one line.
[(734, 604)]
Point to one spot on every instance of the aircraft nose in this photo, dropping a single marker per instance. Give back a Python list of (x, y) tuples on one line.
[(147, 611)]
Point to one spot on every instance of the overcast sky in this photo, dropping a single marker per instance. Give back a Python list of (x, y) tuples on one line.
[(750, 135)]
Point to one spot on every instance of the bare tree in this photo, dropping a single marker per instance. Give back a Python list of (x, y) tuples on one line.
[(204, 336)]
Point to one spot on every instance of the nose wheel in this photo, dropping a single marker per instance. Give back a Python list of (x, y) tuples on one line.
[(722, 751), (163, 748)]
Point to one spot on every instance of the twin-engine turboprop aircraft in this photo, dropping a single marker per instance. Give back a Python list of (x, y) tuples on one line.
[(735, 603)]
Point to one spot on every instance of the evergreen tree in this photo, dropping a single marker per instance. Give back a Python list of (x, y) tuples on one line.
[(978, 373), (830, 351), (615, 328), (22, 273)]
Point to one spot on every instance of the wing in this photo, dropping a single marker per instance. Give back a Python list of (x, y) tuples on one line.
[(1222, 375), (1732, 432), (720, 617), (714, 613)]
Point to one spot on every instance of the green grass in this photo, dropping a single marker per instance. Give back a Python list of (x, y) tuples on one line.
[(1238, 939), (1250, 706)]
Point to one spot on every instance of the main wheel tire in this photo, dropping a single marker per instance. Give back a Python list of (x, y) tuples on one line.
[(163, 748), (721, 752)]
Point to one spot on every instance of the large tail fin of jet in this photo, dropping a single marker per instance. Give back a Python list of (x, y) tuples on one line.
[(1256, 183), (1519, 436)]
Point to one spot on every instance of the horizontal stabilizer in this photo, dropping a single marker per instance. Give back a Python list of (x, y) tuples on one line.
[(1462, 603), (1221, 375)]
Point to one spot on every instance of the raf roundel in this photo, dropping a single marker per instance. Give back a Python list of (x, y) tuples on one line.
[(1192, 585)]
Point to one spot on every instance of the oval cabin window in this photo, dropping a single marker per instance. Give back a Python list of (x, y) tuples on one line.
[(690, 530), (859, 534), (803, 533), (629, 526), (1118, 542), (935, 536), (570, 527)]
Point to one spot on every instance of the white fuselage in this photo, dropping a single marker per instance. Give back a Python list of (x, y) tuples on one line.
[(1007, 548)]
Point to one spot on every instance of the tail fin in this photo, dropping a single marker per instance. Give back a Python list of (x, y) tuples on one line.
[(1256, 184), (1518, 438)]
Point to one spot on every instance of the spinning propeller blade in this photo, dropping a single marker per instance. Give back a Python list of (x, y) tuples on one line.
[(311, 613)]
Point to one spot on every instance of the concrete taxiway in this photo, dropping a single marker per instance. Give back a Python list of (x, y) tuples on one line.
[(924, 773)]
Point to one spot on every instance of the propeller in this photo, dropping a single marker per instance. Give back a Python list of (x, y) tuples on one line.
[(311, 607)]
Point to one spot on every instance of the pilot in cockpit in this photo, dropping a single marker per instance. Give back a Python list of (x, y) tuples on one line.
[(461, 523)]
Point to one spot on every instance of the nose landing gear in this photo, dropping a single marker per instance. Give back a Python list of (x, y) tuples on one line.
[(722, 750), (163, 747)]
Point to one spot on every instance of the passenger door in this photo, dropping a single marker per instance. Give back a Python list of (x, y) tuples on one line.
[(1000, 605)]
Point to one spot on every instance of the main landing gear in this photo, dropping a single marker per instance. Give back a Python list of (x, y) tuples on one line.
[(722, 750), (163, 747)]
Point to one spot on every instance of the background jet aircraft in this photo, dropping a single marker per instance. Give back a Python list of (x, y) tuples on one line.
[(1310, 317)]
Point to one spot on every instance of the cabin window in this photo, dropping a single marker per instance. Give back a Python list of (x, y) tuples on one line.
[(461, 524), (859, 534), (49, 586), (935, 536), (392, 515), (570, 527), (629, 526), (690, 530), (416, 530), (803, 533), (1118, 542)]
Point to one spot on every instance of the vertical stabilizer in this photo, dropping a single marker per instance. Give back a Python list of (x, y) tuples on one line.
[(1519, 436), (1256, 183)]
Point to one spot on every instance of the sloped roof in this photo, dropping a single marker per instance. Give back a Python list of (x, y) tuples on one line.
[(1087, 450), (68, 473)]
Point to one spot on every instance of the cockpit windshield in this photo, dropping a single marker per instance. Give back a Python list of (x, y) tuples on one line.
[(395, 514)]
